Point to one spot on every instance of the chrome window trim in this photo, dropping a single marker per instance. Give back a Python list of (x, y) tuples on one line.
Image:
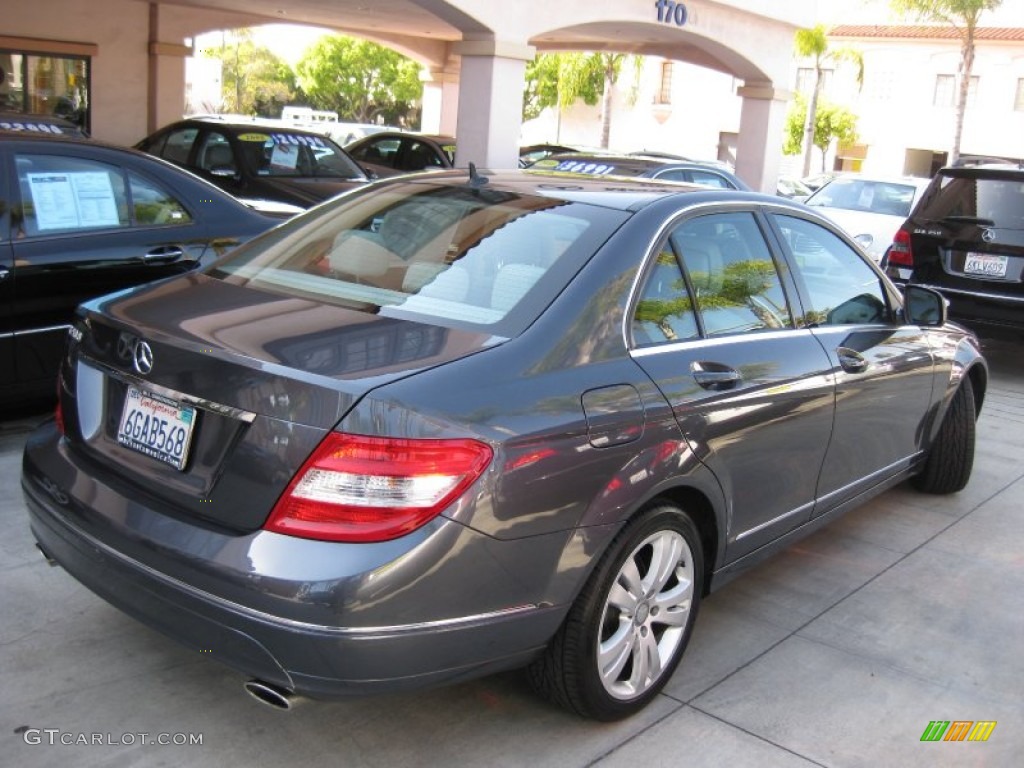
[(717, 341)]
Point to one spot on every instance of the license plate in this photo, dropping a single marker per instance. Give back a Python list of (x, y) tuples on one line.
[(985, 264), (156, 426)]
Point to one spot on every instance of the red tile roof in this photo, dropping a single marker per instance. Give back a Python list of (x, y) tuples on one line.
[(924, 32)]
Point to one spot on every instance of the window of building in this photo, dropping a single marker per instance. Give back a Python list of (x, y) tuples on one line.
[(1018, 101), (664, 95), (878, 84), (45, 84), (946, 93)]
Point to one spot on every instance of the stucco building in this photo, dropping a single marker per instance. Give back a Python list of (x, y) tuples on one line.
[(718, 80)]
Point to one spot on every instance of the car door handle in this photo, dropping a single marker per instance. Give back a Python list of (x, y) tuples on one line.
[(4, 272), (714, 376), (165, 254), (851, 360)]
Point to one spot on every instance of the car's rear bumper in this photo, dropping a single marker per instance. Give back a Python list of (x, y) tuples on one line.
[(264, 637), (983, 307)]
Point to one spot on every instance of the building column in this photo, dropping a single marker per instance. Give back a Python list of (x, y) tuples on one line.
[(440, 111), (166, 76), (490, 113), (759, 148)]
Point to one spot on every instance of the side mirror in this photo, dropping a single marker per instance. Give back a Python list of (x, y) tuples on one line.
[(924, 306)]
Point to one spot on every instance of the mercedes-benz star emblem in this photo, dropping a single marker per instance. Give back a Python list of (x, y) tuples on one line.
[(142, 357), (988, 235)]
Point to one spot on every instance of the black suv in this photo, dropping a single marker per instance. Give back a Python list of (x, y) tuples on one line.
[(965, 237)]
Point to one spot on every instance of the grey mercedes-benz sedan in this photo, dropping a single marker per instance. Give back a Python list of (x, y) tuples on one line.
[(459, 423)]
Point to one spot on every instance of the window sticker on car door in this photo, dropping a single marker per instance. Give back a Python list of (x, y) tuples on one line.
[(73, 200)]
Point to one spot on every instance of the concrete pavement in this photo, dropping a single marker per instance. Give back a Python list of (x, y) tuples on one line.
[(838, 652)]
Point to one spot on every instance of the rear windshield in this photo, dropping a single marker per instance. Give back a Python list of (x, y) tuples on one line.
[(887, 197), (999, 200), (457, 256)]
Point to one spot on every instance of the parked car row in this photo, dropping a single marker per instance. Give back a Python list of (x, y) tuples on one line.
[(960, 232), (278, 170)]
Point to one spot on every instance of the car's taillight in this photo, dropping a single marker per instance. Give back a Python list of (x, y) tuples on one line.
[(900, 254), (359, 488)]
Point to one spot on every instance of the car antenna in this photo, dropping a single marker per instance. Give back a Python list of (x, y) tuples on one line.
[(475, 179)]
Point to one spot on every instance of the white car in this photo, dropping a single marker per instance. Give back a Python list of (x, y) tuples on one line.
[(869, 208)]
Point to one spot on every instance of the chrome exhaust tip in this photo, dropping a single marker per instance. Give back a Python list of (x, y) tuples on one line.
[(46, 556), (272, 695)]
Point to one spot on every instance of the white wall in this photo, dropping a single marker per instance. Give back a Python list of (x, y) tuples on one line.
[(680, 127)]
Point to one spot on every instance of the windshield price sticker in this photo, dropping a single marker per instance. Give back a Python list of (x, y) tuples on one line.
[(157, 427), (985, 264)]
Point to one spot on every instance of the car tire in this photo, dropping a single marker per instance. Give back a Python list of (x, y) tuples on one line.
[(951, 457), (627, 629)]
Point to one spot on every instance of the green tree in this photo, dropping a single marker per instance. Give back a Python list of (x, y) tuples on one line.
[(813, 44), (254, 80), (831, 123), (359, 80), (963, 16), (561, 79)]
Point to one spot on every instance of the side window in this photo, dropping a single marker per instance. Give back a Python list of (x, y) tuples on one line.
[(177, 145), (67, 194), (153, 205), (216, 156), (673, 174), (379, 152), (664, 312), (734, 279), (709, 179), (418, 156), (842, 288)]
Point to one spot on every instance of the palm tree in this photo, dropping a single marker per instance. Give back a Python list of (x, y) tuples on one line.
[(611, 65), (963, 16), (813, 44)]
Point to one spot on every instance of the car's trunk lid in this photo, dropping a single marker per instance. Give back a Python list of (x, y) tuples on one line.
[(259, 377)]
